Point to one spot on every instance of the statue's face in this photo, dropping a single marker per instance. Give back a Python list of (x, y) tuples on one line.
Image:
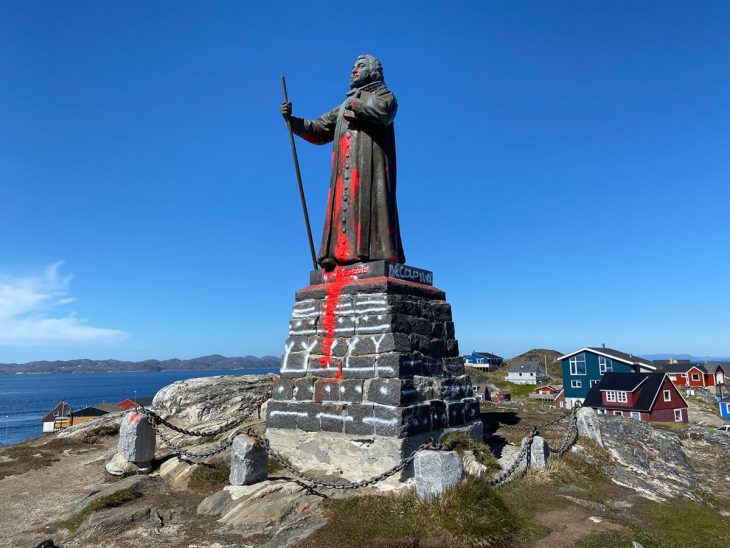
[(360, 74)]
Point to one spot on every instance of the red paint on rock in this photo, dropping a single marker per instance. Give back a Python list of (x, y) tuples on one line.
[(134, 417)]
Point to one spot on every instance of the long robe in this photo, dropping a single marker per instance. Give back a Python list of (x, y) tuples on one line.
[(361, 223)]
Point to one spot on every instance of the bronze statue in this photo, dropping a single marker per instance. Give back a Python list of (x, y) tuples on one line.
[(361, 223)]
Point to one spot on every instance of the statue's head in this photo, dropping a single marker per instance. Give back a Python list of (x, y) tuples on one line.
[(366, 69)]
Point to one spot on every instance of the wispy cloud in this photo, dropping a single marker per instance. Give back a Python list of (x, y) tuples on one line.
[(30, 312)]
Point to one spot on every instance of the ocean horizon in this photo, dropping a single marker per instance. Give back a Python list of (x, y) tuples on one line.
[(26, 398)]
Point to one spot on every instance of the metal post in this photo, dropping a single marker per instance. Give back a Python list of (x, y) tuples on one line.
[(299, 179)]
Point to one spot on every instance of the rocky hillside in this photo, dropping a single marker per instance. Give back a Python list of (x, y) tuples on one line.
[(621, 482)]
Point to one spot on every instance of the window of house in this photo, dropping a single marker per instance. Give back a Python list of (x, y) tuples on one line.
[(622, 397), (610, 395), (56, 413), (667, 395), (578, 364), (695, 376), (594, 383), (520, 374), (677, 415), (605, 364), (576, 384), (562, 404), (635, 415), (601, 411), (619, 413)]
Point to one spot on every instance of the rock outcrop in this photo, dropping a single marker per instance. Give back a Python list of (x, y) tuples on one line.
[(212, 399), (650, 461)]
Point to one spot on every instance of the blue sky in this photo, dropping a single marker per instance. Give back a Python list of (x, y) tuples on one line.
[(562, 168)]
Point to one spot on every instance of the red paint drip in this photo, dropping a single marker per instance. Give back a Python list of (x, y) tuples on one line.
[(334, 281), (134, 417)]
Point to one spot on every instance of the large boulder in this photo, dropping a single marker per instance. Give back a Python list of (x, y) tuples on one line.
[(212, 399), (651, 461), (207, 403)]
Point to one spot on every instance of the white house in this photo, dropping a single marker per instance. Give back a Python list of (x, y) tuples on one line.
[(526, 373)]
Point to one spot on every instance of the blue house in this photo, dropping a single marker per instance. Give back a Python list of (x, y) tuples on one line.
[(724, 404), (584, 368), (483, 360)]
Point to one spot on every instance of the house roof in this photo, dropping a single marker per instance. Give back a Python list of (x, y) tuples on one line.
[(525, 367), (487, 354), (650, 384), (713, 367), (145, 402), (683, 367), (615, 355), (97, 410), (63, 411)]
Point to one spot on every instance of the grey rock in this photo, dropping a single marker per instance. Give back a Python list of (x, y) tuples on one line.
[(136, 438), (436, 472), (651, 461), (119, 466), (113, 521), (133, 483), (293, 532), (588, 426), (214, 399), (539, 452), (249, 462)]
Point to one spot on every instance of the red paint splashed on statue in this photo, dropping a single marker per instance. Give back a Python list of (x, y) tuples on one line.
[(334, 281)]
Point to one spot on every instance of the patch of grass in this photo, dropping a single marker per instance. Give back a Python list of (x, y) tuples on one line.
[(32, 455), (274, 466), (681, 523), (471, 513), (206, 478), (112, 501), (614, 539), (671, 426), (460, 442)]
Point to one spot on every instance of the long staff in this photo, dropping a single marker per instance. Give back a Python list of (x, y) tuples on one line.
[(299, 178)]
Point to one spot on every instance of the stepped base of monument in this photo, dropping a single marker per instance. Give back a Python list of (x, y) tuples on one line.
[(352, 457)]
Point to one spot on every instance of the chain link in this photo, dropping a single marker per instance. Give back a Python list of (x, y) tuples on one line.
[(155, 420), (195, 433)]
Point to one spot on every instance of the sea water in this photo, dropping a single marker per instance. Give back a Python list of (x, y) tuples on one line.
[(26, 399)]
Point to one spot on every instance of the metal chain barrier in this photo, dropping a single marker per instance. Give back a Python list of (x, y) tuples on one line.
[(195, 433), (538, 426), (156, 421), (522, 455)]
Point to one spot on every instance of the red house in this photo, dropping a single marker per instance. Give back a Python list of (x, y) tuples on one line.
[(647, 397), (546, 392), (131, 404), (695, 375)]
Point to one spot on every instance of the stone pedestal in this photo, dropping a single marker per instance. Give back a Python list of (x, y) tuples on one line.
[(371, 369)]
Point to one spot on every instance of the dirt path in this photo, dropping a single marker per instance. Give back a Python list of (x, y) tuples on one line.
[(31, 500), (569, 525)]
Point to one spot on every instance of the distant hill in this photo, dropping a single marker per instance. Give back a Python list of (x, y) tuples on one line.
[(694, 359), (542, 355), (214, 361)]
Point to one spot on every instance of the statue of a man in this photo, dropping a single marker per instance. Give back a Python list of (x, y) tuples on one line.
[(362, 217)]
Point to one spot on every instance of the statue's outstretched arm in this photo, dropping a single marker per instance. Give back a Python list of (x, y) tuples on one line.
[(319, 131), (375, 108)]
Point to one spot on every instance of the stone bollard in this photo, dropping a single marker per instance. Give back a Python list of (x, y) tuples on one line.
[(249, 462), (436, 473), (137, 439), (587, 423), (539, 452)]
